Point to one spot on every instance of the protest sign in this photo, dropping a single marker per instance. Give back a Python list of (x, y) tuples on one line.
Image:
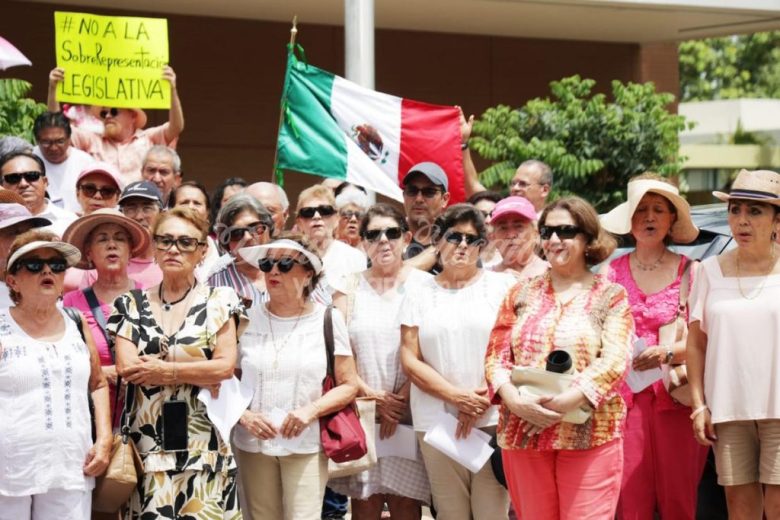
[(114, 61)]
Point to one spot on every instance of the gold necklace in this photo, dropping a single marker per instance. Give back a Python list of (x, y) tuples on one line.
[(763, 282), (277, 349), (649, 267)]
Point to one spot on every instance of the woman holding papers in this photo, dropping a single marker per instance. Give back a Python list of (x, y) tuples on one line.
[(172, 340), (733, 349), (657, 428), (555, 469), (445, 326), (283, 355), (372, 306)]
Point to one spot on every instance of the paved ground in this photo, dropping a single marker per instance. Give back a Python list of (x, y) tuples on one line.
[(426, 514)]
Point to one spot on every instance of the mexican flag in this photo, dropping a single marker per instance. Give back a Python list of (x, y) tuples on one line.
[(335, 128)]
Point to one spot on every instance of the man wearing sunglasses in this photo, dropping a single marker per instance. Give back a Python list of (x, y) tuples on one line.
[(24, 174), (124, 142), (63, 161), (425, 198)]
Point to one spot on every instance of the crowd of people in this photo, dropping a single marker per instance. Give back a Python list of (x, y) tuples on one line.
[(435, 310)]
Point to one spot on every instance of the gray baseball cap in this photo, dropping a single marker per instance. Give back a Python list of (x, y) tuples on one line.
[(432, 171), (143, 190)]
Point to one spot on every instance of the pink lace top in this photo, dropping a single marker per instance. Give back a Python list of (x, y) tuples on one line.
[(650, 312)]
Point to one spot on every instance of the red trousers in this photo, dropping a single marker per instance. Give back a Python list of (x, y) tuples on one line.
[(565, 484), (663, 463)]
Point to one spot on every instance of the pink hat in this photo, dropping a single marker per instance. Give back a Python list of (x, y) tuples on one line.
[(109, 170), (516, 205), (13, 213)]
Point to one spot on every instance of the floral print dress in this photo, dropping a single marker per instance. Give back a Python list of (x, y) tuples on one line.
[(199, 482)]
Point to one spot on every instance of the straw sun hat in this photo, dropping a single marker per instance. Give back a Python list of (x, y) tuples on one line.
[(79, 230), (757, 185), (618, 221)]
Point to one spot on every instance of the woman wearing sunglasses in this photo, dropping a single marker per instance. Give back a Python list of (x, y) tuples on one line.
[(172, 340), (445, 324), (242, 222), (47, 369), (575, 468), (98, 187), (352, 203), (372, 305), (657, 428), (283, 354)]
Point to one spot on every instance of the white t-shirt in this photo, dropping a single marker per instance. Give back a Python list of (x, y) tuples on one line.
[(742, 365), (59, 217), (5, 297), (454, 327), (340, 260), (45, 431), (62, 177), (288, 372)]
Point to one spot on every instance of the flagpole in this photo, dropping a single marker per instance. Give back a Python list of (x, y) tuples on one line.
[(293, 35)]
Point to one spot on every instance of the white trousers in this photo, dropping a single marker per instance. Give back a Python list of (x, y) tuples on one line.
[(57, 504)]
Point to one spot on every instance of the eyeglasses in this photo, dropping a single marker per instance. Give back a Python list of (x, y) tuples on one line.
[(47, 143), (324, 211), (347, 214), (35, 265), (456, 237), (16, 178), (284, 264), (90, 190), (374, 235), (132, 210), (183, 244), (237, 233), (563, 232), (104, 113), (428, 192)]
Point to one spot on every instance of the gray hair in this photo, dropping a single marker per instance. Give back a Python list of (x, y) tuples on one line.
[(545, 172), (11, 144), (235, 206), (354, 196), (284, 202), (161, 149)]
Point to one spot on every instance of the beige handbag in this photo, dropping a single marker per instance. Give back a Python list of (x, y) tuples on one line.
[(675, 377), (538, 382), (114, 487), (366, 410)]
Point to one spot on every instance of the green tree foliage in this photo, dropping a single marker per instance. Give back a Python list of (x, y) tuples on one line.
[(592, 145), (17, 112), (746, 66)]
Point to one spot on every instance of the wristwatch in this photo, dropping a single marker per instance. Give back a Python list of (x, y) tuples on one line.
[(669, 355)]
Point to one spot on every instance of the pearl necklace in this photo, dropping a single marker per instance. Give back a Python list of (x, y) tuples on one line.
[(763, 282)]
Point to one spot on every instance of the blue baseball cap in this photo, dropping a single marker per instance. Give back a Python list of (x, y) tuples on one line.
[(142, 190)]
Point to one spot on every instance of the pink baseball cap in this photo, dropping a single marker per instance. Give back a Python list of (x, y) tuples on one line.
[(13, 213), (514, 206), (109, 170)]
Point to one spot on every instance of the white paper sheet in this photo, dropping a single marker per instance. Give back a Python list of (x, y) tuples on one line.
[(277, 417), (403, 443), (225, 411), (472, 452), (638, 380)]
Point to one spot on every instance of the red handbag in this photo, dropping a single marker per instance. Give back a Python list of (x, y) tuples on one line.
[(341, 434)]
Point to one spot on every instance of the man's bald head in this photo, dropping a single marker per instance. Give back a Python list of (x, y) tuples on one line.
[(274, 199)]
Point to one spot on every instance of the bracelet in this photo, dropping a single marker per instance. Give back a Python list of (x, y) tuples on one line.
[(698, 411), (465, 145)]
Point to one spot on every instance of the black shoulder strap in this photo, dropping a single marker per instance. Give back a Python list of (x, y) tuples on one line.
[(97, 312), (329, 341)]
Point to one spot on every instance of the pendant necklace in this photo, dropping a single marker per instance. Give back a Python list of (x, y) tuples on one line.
[(649, 267), (763, 282), (167, 305), (278, 349)]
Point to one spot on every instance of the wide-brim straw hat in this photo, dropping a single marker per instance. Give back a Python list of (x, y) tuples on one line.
[(757, 185), (618, 221), (79, 230)]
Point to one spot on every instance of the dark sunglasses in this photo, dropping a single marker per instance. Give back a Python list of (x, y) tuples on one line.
[(456, 237), (392, 233), (563, 232), (16, 178), (183, 244), (429, 192), (104, 113), (348, 214), (284, 264), (237, 233), (105, 192), (35, 265), (324, 211)]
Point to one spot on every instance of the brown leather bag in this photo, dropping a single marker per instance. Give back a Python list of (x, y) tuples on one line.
[(675, 377)]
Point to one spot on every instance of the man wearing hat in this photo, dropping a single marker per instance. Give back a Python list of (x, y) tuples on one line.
[(515, 235), (426, 195), (142, 202), (15, 219), (124, 141), (63, 161)]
